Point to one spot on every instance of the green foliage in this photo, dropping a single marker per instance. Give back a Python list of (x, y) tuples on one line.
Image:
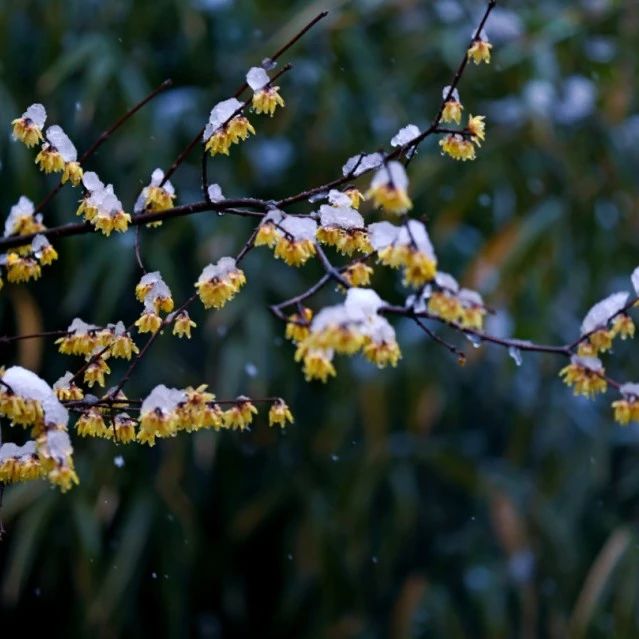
[(427, 501)]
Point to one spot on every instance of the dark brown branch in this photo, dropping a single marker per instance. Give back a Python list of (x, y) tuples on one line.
[(82, 228)]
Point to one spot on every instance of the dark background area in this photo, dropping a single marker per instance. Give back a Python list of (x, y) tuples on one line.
[(426, 501)]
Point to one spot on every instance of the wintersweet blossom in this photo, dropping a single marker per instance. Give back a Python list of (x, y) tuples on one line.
[(266, 98), (585, 375), (343, 227), (452, 111), (279, 414), (155, 196), (226, 126), (28, 128), (406, 246), (457, 147), (479, 50), (388, 188), (219, 283)]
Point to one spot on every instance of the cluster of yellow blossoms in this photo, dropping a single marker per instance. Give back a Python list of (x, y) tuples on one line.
[(585, 375), (28, 401), (58, 154), (167, 411), (97, 345), (291, 237), (408, 247), (606, 320), (460, 306), (460, 147), (342, 226), (101, 207), (25, 263), (344, 329), (219, 283), (156, 296)]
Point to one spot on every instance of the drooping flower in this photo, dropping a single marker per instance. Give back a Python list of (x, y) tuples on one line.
[(452, 111), (477, 128), (457, 147), (358, 274), (96, 370), (226, 126), (121, 342), (343, 227), (279, 414), (159, 414), (389, 188), (219, 283), (266, 98), (156, 196), (240, 415), (28, 128), (479, 50), (297, 326), (292, 237), (585, 375), (66, 389), (91, 424), (406, 246), (182, 325), (626, 409), (43, 251)]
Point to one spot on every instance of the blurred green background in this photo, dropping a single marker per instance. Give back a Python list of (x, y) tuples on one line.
[(426, 501)]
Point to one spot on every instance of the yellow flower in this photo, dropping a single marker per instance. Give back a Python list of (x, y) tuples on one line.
[(267, 100), (123, 346), (317, 364), (297, 327), (624, 411), (158, 198), (267, 235), (294, 252), (279, 414), (389, 188), (149, 322), (585, 375), (601, 340), (220, 283), (479, 51), (49, 160), (457, 147), (70, 392), (124, 428), (356, 196), (452, 111), (48, 255), (21, 269), (28, 128), (92, 424), (87, 209), (382, 353), (419, 268), (358, 274), (240, 415), (183, 324), (72, 173), (234, 131), (623, 326), (477, 128), (63, 477), (26, 131), (95, 372), (392, 199)]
